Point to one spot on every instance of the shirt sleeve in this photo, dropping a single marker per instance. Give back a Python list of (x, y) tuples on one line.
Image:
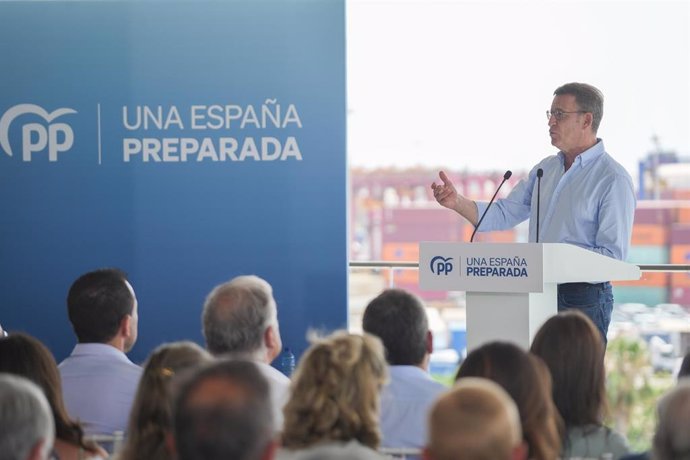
[(506, 213), (616, 214)]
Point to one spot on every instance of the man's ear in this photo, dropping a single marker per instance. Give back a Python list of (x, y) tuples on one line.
[(589, 119), (126, 326), (520, 451), (429, 342), (426, 455), (39, 451), (170, 446), (272, 342), (269, 452)]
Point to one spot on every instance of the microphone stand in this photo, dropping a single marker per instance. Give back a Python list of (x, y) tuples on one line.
[(540, 172), (506, 176)]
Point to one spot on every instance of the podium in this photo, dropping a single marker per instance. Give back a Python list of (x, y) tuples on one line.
[(511, 288)]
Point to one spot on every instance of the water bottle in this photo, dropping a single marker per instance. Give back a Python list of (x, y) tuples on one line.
[(287, 362)]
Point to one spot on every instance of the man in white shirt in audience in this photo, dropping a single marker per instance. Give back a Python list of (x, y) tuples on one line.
[(398, 318), (98, 380), (241, 317), (26, 421)]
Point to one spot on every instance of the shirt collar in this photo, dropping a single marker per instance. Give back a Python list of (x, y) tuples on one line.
[(98, 349), (407, 371), (588, 156)]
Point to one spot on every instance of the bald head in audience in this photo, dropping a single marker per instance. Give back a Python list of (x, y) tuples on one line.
[(475, 420), (26, 422)]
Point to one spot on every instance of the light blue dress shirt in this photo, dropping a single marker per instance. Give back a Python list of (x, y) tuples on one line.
[(592, 205), (99, 383), (405, 404)]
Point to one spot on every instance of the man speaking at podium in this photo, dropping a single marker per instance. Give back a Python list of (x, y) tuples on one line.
[(585, 197)]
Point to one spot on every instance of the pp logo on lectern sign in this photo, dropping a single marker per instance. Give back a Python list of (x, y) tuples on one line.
[(50, 137), (441, 265)]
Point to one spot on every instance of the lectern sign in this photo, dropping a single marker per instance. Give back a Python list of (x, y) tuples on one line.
[(481, 267)]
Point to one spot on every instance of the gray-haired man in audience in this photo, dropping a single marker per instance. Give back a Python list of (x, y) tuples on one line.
[(223, 412), (240, 316), (26, 422), (398, 318)]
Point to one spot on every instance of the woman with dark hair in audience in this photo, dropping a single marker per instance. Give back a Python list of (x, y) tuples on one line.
[(334, 399), (151, 417), (21, 354), (573, 350), (526, 379)]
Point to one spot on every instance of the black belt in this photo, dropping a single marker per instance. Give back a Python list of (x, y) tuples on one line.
[(576, 286)]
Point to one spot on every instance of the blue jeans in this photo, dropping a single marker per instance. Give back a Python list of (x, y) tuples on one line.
[(594, 300)]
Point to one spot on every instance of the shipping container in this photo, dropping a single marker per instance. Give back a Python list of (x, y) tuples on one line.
[(421, 224), (647, 254), (648, 295), (680, 254), (649, 235), (654, 216), (401, 251), (683, 215), (681, 194), (680, 234)]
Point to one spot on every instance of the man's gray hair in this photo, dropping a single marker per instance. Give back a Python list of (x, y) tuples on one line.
[(236, 314), (588, 99), (25, 418)]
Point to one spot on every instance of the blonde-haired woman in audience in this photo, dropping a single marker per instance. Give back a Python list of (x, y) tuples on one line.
[(24, 355), (151, 417), (573, 350), (333, 408)]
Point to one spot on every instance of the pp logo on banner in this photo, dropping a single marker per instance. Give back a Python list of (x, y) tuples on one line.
[(441, 266), (56, 138)]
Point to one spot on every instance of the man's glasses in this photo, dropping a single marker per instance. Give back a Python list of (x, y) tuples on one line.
[(560, 114)]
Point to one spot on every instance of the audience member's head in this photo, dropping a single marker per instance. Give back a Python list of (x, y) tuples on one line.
[(672, 438), (240, 316), (573, 350), (151, 418), (25, 356), (475, 420), (224, 412), (525, 378), (335, 392), (27, 426), (102, 308), (398, 318)]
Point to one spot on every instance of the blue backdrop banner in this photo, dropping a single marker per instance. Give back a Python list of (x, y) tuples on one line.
[(184, 142)]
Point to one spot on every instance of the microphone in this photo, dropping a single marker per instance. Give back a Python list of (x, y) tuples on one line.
[(506, 176), (540, 172)]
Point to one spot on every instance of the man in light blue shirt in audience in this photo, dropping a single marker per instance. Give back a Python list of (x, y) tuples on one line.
[(587, 199), (98, 380), (398, 318)]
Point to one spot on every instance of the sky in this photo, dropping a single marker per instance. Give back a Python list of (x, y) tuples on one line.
[(465, 84)]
